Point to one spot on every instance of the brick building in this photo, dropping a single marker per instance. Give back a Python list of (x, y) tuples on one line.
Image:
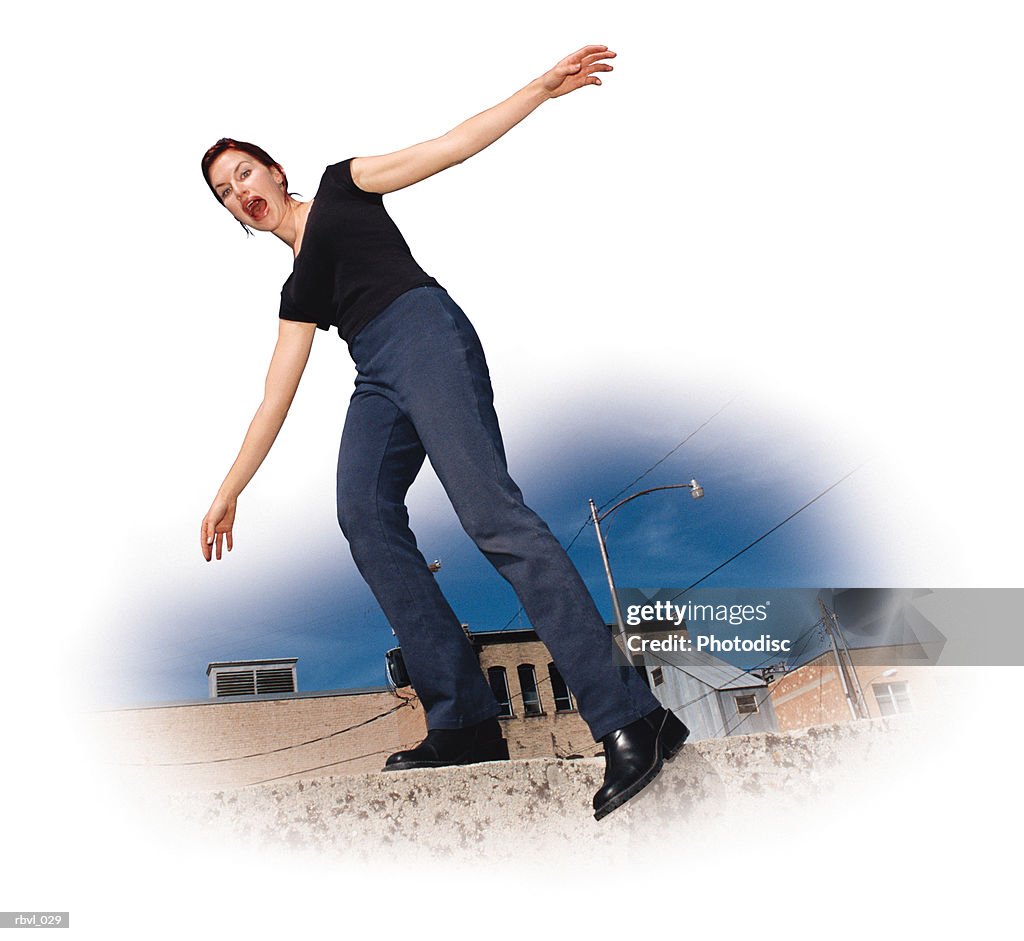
[(813, 693), (233, 741), (255, 727), (538, 712)]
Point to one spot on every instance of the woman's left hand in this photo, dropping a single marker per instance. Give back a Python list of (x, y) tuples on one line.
[(577, 70)]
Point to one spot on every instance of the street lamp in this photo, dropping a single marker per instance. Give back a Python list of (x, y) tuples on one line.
[(696, 491)]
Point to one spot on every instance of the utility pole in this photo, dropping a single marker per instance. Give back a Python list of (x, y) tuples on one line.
[(847, 674), (858, 692)]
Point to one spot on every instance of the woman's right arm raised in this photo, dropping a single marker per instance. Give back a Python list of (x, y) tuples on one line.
[(291, 353)]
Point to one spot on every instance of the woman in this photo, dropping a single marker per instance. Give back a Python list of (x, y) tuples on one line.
[(422, 389)]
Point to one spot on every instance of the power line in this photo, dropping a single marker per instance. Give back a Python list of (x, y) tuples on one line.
[(725, 727), (548, 679), (289, 632), (272, 751), (331, 764), (391, 711), (805, 633), (637, 480), (777, 526), (572, 541), (760, 701), (405, 703), (803, 637)]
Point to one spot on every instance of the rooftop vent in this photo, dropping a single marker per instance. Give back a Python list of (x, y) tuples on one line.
[(252, 677)]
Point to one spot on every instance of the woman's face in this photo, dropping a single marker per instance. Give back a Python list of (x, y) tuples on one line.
[(252, 192)]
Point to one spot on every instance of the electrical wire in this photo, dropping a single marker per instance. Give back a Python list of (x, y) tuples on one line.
[(801, 639), (805, 633), (548, 679), (271, 751), (633, 482), (777, 526), (404, 704), (331, 764), (539, 684), (637, 480), (768, 692)]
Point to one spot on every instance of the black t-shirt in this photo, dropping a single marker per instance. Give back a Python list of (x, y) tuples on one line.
[(353, 261)]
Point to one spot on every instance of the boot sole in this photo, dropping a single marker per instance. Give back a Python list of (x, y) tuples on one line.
[(489, 751), (666, 752)]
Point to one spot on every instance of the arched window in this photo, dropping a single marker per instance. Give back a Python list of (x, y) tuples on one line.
[(528, 685), (499, 686), (563, 698)]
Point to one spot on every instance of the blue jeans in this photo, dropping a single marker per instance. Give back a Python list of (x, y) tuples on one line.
[(423, 389)]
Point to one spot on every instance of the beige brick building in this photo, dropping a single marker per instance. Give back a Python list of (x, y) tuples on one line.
[(236, 740), (232, 742), (813, 693), (539, 714)]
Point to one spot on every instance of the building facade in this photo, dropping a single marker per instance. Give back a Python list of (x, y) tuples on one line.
[(714, 698), (236, 740), (817, 693), (538, 711)]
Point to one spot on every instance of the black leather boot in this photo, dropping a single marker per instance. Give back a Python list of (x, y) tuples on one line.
[(443, 747), (634, 755), (672, 734)]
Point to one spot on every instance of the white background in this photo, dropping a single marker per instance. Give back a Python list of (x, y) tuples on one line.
[(818, 204)]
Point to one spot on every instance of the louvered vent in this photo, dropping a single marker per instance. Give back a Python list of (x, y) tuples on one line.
[(275, 681), (242, 683), (252, 677)]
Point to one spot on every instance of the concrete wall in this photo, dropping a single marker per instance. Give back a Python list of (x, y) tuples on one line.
[(541, 807)]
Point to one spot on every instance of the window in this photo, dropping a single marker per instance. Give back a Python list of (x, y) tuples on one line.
[(657, 677), (746, 705), (499, 686), (528, 684), (563, 698), (892, 698)]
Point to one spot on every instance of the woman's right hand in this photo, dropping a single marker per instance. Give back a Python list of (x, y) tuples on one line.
[(289, 360), (216, 524)]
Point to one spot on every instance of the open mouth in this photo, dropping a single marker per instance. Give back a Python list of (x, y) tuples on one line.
[(256, 208)]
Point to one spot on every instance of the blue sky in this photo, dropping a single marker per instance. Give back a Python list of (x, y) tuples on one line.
[(755, 470), (743, 199)]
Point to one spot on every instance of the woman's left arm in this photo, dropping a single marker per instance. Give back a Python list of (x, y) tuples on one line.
[(395, 171)]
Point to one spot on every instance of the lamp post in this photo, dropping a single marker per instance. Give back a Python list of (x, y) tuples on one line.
[(696, 491)]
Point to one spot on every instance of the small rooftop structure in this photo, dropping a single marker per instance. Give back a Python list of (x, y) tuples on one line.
[(252, 677)]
